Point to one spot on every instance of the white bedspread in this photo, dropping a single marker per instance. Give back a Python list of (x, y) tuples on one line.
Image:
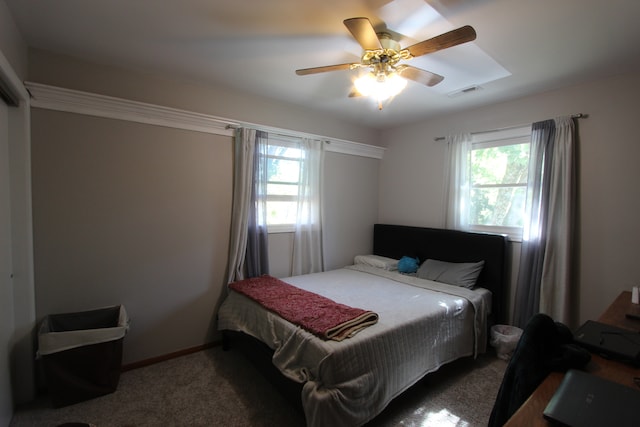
[(422, 325)]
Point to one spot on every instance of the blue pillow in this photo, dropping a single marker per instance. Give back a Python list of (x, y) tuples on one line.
[(408, 264)]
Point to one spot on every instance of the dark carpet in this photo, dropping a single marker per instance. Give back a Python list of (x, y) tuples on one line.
[(218, 388)]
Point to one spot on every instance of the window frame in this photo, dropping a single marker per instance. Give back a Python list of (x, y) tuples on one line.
[(499, 138), (290, 142)]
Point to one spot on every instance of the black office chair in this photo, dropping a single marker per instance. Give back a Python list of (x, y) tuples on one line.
[(544, 346)]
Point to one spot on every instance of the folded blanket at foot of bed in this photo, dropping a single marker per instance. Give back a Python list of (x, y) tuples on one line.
[(319, 315)]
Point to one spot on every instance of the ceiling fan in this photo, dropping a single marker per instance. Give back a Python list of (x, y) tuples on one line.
[(382, 55)]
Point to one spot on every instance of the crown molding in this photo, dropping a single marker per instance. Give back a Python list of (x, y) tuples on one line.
[(92, 104), (75, 101), (354, 148)]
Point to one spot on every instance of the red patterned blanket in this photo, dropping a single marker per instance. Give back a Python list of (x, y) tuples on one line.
[(315, 313)]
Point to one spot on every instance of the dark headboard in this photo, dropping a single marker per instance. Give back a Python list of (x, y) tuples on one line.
[(396, 241)]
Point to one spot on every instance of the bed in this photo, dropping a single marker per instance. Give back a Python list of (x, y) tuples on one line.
[(422, 325)]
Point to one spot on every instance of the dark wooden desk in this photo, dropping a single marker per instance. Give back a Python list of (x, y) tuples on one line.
[(530, 413)]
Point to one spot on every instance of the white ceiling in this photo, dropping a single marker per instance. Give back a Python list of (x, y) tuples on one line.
[(522, 46)]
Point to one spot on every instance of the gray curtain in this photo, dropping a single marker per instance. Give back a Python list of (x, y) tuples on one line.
[(257, 260), (544, 274), (248, 239)]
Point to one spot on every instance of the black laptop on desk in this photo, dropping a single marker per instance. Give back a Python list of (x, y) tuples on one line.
[(585, 400), (609, 341)]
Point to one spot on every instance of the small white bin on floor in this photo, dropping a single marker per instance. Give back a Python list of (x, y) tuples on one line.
[(504, 339)]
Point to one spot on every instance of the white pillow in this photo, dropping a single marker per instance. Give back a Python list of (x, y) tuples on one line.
[(377, 261)]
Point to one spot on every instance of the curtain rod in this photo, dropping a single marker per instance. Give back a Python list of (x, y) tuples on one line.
[(270, 132), (573, 116), (290, 133)]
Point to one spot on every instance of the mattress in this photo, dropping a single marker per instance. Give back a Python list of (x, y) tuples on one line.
[(422, 325)]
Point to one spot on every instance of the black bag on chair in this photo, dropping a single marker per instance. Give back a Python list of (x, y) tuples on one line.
[(544, 346)]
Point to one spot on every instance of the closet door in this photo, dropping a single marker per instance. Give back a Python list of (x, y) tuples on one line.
[(6, 285)]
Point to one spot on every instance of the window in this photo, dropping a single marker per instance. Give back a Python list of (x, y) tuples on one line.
[(499, 168), (284, 161)]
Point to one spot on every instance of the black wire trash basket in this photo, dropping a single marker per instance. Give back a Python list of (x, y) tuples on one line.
[(82, 353)]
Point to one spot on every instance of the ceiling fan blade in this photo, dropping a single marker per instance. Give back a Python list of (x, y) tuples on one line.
[(316, 70), (443, 41), (418, 75), (363, 32)]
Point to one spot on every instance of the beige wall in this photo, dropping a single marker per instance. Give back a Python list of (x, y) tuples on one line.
[(131, 214), (12, 45), (412, 173), (350, 207)]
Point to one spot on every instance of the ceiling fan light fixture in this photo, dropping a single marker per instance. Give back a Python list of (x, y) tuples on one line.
[(380, 87), (382, 54)]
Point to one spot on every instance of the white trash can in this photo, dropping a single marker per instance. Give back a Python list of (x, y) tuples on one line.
[(504, 339)]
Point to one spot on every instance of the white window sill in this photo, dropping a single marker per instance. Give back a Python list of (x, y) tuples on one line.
[(281, 228), (514, 234)]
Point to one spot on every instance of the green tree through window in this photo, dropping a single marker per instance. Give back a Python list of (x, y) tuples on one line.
[(498, 185), (498, 173)]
